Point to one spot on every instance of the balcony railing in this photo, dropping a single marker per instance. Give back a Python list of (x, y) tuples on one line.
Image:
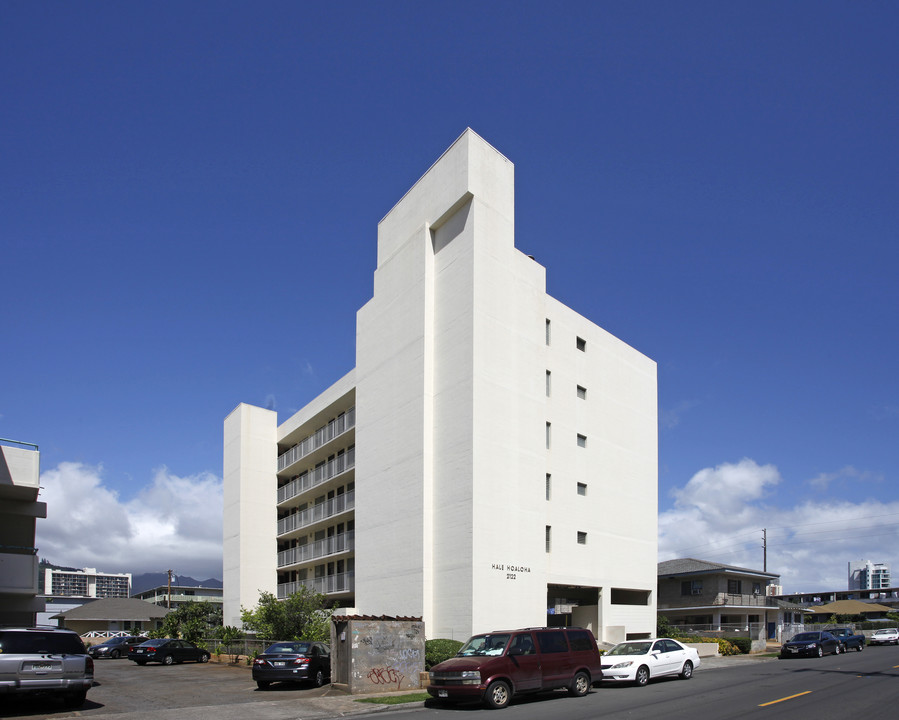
[(722, 599), (319, 475), (317, 513), (338, 426), (341, 583), (343, 542)]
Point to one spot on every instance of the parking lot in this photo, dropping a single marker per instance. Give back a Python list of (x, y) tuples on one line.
[(186, 691)]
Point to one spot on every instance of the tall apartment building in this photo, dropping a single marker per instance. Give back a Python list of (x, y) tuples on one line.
[(86, 583), (20, 470), (866, 575), (491, 460)]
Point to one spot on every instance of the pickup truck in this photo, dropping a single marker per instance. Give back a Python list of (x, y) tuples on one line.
[(848, 639)]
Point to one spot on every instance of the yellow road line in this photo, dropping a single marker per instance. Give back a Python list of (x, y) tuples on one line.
[(774, 702)]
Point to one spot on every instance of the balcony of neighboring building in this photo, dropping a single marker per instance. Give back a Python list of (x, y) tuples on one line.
[(18, 570), (305, 520), (20, 472), (337, 585), (315, 445), (339, 468), (334, 547)]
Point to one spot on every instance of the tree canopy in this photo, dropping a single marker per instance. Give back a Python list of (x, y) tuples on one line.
[(303, 615)]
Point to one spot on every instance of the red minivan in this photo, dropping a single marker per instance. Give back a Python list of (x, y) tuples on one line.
[(496, 666)]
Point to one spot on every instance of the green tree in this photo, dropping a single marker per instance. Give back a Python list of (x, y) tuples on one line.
[(231, 637), (192, 621), (301, 616)]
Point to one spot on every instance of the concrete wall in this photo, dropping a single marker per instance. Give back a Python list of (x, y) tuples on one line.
[(377, 656)]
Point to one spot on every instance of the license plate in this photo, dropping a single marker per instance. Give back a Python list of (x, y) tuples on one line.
[(139, 651), (441, 693), (279, 663), (41, 666), (793, 650)]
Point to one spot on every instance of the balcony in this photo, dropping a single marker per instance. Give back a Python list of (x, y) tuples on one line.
[(345, 542), (318, 476), (317, 513), (334, 429), (719, 599), (18, 570), (329, 585)]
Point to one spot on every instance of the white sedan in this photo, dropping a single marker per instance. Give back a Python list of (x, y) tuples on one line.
[(885, 636), (637, 661)]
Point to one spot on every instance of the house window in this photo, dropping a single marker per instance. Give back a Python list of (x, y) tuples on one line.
[(582, 344), (549, 427), (691, 587), (549, 538), (581, 538), (547, 331), (549, 486), (756, 588), (734, 587), (582, 392), (582, 441), (548, 383), (582, 488)]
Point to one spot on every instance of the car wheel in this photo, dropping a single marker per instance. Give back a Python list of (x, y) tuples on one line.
[(115, 654), (687, 672), (838, 649), (642, 676), (319, 679), (498, 694), (580, 686), (262, 684), (860, 647), (168, 660), (204, 658), (75, 699), (820, 651)]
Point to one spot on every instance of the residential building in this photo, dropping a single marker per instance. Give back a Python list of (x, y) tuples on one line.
[(177, 595), (489, 462), (107, 616), (87, 582), (866, 575), (711, 598), (20, 470)]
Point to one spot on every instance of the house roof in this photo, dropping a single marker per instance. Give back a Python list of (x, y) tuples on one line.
[(692, 566), (115, 609), (849, 607)]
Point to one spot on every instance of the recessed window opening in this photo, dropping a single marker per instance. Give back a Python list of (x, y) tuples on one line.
[(548, 332), (581, 440), (549, 538), (549, 486), (549, 427), (581, 538), (582, 344), (548, 383), (582, 392), (581, 488)]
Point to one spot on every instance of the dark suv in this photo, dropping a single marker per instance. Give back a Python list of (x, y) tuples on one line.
[(495, 666), (45, 661)]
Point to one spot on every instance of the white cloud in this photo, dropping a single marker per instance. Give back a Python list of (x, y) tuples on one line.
[(172, 523), (720, 513)]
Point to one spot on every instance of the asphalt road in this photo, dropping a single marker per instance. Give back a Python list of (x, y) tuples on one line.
[(864, 685)]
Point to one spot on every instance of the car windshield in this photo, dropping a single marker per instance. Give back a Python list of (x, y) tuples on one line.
[(485, 645), (292, 648), (885, 632), (155, 643), (805, 637), (630, 648)]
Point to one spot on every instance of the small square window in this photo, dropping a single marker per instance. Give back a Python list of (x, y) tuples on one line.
[(582, 488), (582, 441), (582, 344), (581, 538), (582, 392)]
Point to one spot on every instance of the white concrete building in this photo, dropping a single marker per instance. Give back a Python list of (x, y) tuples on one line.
[(867, 575), (490, 462), (20, 471), (87, 582)]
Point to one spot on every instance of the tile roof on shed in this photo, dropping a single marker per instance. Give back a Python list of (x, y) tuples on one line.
[(115, 609)]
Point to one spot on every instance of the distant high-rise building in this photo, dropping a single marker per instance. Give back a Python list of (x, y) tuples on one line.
[(865, 575), (86, 583)]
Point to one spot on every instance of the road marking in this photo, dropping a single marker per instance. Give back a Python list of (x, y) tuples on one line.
[(774, 702)]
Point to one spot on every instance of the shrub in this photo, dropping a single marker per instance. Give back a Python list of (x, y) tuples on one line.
[(743, 645), (438, 650), (725, 647)]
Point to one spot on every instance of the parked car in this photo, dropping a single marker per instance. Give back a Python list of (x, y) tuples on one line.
[(45, 661), (293, 662), (167, 651), (811, 644), (885, 636), (849, 639), (638, 661), (115, 647), (497, 666)]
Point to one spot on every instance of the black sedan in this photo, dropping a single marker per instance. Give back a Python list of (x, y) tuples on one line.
[(293, 661), (115, 647), (812, 644), (167, 651)]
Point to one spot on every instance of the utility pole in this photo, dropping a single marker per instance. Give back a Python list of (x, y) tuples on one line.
[(168, 602), (765, 549)]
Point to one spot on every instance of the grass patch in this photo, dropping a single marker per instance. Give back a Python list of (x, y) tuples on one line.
[(396, 699)]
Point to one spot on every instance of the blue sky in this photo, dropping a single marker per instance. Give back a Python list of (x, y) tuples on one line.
[(190, 195)]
